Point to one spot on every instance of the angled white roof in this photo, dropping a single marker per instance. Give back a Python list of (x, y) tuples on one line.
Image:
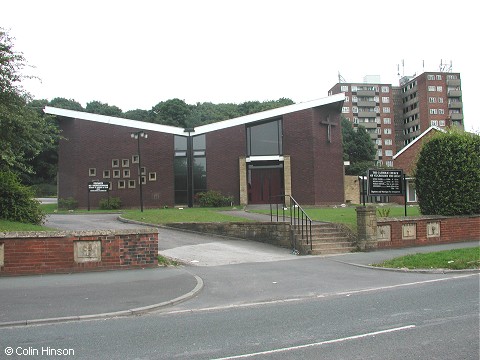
[(337, 98), (142, 125), (416, 139)]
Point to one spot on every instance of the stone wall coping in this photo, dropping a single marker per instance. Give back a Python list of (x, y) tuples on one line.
[(75, 233), (423, 217)]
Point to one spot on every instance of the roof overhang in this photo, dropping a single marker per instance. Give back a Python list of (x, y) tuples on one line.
[(334, 100), (417, 139)]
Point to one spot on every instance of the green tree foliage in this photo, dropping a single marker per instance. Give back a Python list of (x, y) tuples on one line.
[(17, 202), (24, 134), (68, 104), (174, 112), (358, 148), (97, 107), (137, 114), (447, 176)]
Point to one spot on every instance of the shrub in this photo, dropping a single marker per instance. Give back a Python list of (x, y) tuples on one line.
[(113, 203), (44, 190), (447, 177), (383, 212), (17, 201), (213, 198), (67, 204)]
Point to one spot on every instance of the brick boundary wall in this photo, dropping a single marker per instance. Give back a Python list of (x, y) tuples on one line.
[(426, 230), (23, 253), (278, 234)]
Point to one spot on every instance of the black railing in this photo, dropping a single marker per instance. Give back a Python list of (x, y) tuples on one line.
[(300, 222)]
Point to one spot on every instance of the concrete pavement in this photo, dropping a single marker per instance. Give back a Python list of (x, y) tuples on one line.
[(67, 297)]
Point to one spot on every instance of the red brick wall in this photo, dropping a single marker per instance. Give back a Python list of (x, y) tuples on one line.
[(224, 147), (50, 252), (316, 165), (88, 144), (452, 229)]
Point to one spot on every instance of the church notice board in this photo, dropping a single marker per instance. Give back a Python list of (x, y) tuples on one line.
[(385, 182)]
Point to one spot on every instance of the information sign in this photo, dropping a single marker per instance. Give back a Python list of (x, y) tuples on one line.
[(385, 182), (98, 186)]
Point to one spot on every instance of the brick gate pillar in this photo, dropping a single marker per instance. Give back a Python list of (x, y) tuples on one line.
[(367, 227)]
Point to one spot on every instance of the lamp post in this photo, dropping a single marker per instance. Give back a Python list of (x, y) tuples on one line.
[(137, 135)]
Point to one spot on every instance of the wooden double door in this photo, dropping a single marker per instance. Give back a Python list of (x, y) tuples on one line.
[(265, 183)]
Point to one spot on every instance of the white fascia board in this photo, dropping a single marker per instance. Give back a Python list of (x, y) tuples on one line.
[(337, 98), (416, 139), (114, 121), (264, 158)]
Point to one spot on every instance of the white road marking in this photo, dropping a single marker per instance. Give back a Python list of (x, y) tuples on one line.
[(342, 293), (354, 337)]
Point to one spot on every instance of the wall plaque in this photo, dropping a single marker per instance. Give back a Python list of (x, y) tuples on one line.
[(409, 231), (433, 229), (384, 233), (86, 251)]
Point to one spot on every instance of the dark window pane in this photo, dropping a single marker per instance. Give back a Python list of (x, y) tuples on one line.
[(180, 142), (199, 142), (265, 139), (199, 174), (180, 171), (181, 197)]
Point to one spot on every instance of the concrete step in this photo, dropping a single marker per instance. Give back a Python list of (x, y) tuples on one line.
[(332, 251)]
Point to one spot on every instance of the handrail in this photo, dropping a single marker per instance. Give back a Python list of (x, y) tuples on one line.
[(299, 220)]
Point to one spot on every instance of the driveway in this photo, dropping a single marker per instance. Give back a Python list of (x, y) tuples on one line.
[(187, 247)]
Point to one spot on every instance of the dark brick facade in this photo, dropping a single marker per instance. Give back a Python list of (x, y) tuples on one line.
[(224, 147), (317, 164), (89, 148), (91, 145)]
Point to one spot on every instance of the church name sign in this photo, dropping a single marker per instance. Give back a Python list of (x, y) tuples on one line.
[(385, 182)]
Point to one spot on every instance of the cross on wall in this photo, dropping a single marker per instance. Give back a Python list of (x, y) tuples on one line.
[(329, 125)]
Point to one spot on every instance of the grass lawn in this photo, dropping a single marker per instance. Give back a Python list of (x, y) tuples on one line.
[(6, 225), (348, 216), (164, 216), (457, 259)]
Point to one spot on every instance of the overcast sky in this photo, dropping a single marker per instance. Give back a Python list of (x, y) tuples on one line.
[(135, 54)]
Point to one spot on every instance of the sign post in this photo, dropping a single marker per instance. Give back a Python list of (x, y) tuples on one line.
[(98, 186)]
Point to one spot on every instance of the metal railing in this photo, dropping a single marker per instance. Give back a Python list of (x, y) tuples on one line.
[(300, 222)]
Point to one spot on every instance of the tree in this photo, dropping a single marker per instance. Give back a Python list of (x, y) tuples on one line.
[(68, 104), (447, 176), (138, 114), (358, 148), (97, 107), (174, 112), (23, 132)]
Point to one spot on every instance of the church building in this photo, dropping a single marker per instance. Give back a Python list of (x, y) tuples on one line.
[(293, 150)]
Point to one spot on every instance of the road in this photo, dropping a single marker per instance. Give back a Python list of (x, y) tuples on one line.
[(308, 307)]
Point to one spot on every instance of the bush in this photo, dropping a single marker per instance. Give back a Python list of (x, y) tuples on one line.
[(113, 203), (213, 199), (447, 177), (17, 201), (67, 204), (44, 190)]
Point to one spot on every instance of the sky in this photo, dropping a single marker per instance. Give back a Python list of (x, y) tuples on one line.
[(135, 54)]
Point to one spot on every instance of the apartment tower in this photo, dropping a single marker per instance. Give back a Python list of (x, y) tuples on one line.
[(370, 104)]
